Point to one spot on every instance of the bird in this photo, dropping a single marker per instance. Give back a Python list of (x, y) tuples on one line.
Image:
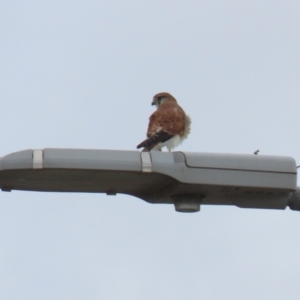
[(168, 126), (256, 152)]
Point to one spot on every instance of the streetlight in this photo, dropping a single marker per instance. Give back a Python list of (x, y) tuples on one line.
[(185, 179)]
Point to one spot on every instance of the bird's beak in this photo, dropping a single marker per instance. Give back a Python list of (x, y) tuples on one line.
[(153, 102)]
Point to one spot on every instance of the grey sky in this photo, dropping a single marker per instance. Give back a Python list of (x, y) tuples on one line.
[(81, 74)]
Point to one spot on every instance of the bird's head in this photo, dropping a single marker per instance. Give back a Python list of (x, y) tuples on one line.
[(160, 98)]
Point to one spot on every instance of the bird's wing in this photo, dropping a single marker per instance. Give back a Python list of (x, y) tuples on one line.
[(169, 119)]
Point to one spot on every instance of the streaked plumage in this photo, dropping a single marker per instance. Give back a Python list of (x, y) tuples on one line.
[(168, 125)]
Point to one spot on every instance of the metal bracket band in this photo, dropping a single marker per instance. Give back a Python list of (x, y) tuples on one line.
[(37, 159), (146, 162)]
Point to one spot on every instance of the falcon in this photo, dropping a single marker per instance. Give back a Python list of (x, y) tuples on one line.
[(168, 126)]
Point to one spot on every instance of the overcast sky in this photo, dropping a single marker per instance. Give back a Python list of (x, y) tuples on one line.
[(82, 74)]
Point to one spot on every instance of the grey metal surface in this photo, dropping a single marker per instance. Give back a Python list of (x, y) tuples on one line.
[(182, 178), (270, 172), (17, 160), (92, 159), (240, 162), (294, 200)]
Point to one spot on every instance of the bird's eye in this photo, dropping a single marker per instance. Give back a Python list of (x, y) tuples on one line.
[(159, 98)]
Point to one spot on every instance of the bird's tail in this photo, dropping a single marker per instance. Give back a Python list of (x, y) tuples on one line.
[(153, 140)]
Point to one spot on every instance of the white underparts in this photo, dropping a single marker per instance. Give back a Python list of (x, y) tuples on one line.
[(187, 128), (172, 143)]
